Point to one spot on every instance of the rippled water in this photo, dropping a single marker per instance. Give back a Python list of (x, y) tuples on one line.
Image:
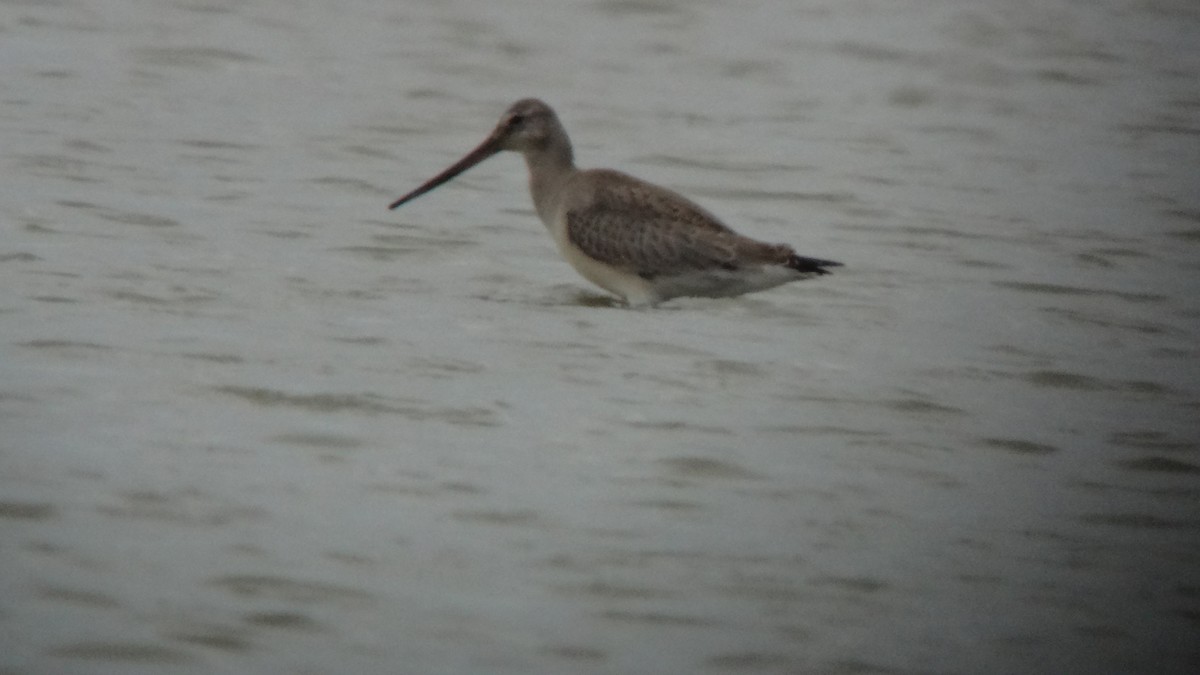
[(250, 421)]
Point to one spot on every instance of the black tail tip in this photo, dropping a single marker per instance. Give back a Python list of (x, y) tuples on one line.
[(811, 265)]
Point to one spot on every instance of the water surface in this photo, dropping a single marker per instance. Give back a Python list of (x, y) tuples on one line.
[(250, 421)]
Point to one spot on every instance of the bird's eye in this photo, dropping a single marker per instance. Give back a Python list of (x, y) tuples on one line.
[(516, 120)]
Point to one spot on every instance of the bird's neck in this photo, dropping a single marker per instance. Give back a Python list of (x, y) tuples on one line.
[(550, 168)]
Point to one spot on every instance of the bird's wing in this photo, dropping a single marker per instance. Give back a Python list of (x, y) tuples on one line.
[(654, 232)]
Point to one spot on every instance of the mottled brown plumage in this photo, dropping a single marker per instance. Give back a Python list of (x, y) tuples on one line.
[(642, 242), (653, 232)]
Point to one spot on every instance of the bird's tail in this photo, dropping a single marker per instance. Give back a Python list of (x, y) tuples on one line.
[(810, 265)]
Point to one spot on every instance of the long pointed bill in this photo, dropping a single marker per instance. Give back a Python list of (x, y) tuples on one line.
[(486, 149)]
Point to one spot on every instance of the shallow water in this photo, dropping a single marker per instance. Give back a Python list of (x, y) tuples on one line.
[(250, 421)]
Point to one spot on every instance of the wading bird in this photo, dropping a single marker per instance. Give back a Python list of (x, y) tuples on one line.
[(636, 240)]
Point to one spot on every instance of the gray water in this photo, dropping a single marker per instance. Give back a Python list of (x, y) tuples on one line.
[(252, 422)]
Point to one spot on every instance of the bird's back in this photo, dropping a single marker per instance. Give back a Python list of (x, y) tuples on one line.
[(652, 231)]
